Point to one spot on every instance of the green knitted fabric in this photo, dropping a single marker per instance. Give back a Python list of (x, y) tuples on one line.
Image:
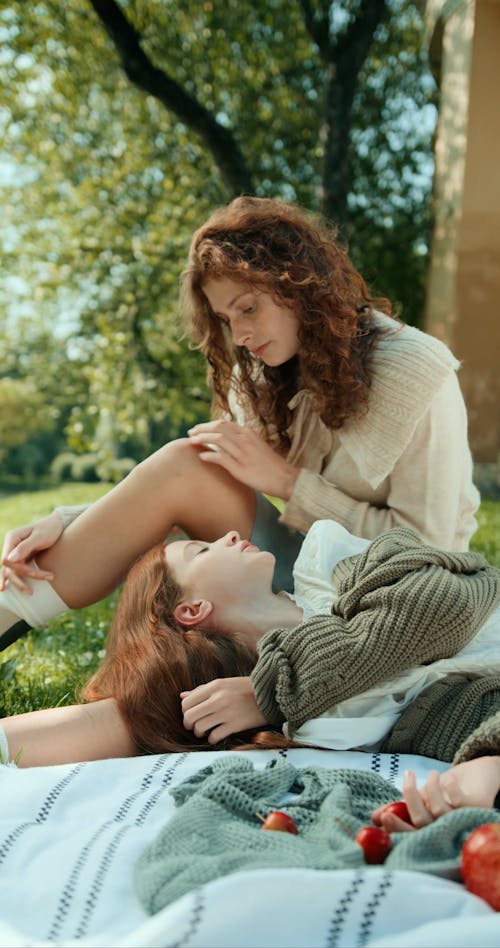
[(440, 719), (400, 603), (483, 742), (216, 830)]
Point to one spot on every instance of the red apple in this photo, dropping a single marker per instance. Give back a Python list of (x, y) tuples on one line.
[(398, 808), (374, 842), (279, 822), (480, 863)]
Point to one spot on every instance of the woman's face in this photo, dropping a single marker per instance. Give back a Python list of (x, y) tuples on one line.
[(268, 330), (225, 572)]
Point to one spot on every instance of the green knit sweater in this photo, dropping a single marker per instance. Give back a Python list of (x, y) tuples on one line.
[(400, 604), (216, 830), (453, 720)]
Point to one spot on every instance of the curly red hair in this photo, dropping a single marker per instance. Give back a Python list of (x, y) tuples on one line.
[(296, 257)]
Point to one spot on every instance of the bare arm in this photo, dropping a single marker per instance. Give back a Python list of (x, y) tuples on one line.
[(67, 735)]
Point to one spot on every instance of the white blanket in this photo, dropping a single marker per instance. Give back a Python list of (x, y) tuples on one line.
[(70, 836)]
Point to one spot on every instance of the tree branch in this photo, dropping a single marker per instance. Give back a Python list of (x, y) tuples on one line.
[(355, 43), (156, 82), (318, 29)]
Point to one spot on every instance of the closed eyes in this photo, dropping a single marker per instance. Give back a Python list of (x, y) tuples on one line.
[(244, 310)]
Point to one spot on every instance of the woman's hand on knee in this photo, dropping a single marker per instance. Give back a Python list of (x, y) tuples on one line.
[(20, 546), (246, 456), (220, 708)]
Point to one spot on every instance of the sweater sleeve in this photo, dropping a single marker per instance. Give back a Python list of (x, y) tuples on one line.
[(400, 604), (430, 491), (484, 741), (68, 514), (302, 672)]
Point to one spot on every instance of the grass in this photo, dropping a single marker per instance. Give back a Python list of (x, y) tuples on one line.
[(50, 665)]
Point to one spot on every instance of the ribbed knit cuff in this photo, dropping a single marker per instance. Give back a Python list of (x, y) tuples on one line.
[(263, 680), (483, 742)]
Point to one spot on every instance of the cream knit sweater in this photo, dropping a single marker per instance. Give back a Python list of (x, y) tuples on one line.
[(406, 462)]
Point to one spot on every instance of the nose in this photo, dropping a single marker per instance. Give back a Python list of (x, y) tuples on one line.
[(240, 332), (231, 538)]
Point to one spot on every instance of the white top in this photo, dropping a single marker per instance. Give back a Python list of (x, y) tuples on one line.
[(363, 721)]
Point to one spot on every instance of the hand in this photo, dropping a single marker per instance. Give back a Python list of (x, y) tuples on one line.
[(19, 547), (472, 783), (245, 455), (222, 707)]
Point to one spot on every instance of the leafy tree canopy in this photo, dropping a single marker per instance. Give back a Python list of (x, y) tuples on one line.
[(328, 104)]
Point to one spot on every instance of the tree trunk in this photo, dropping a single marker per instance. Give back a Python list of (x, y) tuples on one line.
[(344, 56)]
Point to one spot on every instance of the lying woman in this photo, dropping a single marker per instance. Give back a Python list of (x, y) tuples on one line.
[(369, 626)]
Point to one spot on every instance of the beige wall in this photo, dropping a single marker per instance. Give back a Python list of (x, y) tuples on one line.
[(463, 300)]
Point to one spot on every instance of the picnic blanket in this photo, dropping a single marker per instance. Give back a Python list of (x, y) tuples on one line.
[(72, 835)]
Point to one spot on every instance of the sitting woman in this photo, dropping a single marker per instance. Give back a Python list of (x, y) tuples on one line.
[(202, 651)]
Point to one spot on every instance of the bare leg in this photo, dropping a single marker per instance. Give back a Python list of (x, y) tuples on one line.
[(172, 487), (67, 735)]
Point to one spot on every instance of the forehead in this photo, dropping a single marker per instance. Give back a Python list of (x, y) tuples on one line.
[(224, 292), (175, 554)]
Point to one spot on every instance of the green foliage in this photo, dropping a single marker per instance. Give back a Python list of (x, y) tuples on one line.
[(21, 414), (109, 186)]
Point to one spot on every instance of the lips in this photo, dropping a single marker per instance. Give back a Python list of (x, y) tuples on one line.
[(246, 545), (259, 350)]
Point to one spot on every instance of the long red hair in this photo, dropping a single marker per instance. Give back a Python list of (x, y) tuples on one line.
[(296, 257), (150, 659)]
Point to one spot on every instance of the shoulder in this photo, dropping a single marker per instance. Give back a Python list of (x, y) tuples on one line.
[(400, 349), (409, 369)]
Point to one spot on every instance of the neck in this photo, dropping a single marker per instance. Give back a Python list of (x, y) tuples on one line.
[(275, 611)]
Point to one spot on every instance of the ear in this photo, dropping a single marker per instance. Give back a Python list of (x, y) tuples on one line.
[(191, 614)]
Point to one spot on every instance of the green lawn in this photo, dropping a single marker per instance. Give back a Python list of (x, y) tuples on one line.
[(49, 666)]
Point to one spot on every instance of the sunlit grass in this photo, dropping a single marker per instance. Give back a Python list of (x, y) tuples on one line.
[(49, 666), (487, 538)]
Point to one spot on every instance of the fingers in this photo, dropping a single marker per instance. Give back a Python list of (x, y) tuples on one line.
[(427, 804), (433, 795), (16, 574), (394, 824), (13, 539), (389, 821), (198, 710), (221, 438), (220, 708), (8, 577), (201, 720)]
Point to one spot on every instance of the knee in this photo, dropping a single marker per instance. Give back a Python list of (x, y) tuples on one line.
[(175, 458)]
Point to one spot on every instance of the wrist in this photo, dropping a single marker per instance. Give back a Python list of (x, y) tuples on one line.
[(291, 475)]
